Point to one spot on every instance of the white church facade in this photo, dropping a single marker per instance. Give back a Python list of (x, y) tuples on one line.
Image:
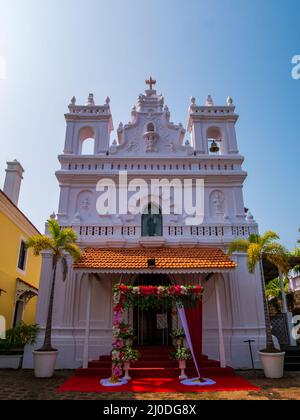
[(138, 248)]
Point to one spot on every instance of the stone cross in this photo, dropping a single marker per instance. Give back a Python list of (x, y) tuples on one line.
[(151, 82)]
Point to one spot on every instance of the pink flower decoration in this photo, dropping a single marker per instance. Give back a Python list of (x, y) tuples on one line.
[(117, 371)]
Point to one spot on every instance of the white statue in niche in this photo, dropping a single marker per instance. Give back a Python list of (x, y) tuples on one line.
[(86, 204), (150, 144), (218, 204)]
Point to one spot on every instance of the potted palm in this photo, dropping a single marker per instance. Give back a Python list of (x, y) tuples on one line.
[(60, 242), (181, 354), (256, 247), (129, 355)]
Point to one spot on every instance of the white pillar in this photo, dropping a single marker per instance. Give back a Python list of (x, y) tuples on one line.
[(87, 323), (220, 325), (285, 306), (288, 315)]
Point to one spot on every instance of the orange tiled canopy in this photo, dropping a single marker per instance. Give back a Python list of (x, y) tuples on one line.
[(165, 258)]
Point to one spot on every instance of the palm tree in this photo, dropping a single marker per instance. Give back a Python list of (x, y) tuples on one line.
[(60, 242), (257, 247)]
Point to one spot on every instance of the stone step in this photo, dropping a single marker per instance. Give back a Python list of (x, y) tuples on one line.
[(154, 364), (292, 360), (292, 367), (158, 372)]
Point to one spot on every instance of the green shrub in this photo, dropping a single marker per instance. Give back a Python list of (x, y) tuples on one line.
[(19, 336)]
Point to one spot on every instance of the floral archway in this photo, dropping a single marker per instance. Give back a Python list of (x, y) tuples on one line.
[(146, 297)]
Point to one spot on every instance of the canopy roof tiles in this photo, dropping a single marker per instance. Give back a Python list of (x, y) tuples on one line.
[(159, 259)]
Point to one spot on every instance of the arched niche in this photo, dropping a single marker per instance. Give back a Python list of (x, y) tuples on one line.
[(150, 127), (87, 137), (85, 204)]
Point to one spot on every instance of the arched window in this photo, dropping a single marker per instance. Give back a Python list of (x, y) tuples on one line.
[(87, 141), (152, 221), (214, 138), (150, 128), (88, 147)]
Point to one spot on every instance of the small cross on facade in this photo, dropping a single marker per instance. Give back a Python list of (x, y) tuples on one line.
[(151, 82)]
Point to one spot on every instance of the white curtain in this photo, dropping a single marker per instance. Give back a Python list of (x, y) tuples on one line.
[(185, 326)]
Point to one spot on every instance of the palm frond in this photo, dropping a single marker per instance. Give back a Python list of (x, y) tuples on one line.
[(277, 254), (65, 236), (254, 238), (54, 228), (239, 245), (254, 256), (73, 250), (70, 234), (40, 243), (269, 237), (296, 252)]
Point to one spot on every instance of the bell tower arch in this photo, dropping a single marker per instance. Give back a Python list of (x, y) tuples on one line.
[(88, 121)]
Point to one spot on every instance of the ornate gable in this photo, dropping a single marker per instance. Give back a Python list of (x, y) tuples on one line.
[(150, 132)]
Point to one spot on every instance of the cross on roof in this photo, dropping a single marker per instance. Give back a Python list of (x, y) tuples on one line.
[(151, 82)]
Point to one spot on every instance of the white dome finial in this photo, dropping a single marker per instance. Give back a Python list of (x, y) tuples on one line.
[(229, 101), (250, 216), (209, 101), (91, 101)]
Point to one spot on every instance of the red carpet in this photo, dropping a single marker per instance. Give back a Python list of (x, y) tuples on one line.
[(155, 385)]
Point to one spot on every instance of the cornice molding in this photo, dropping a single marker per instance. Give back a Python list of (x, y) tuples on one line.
[(16, 216)]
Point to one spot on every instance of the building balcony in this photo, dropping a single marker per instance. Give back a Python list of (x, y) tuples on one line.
[(131, 235)]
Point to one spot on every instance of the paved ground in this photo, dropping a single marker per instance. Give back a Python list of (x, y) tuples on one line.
[(21, 385)]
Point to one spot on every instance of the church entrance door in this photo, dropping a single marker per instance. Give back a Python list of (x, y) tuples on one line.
[(152, 327)]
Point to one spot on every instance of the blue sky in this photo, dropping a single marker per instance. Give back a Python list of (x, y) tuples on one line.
[(55, 49)]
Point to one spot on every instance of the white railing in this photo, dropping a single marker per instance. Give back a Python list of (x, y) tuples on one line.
[(205, 165), (205, 232)]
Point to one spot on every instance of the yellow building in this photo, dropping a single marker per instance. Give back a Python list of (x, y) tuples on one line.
[(19, 268)]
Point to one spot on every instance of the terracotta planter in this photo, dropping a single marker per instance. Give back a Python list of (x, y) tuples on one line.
[(44, 363), (273, 364)]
